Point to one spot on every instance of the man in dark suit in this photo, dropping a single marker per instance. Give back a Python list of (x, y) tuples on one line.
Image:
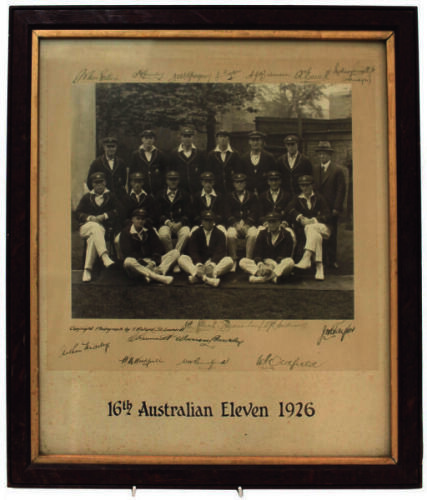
[(207, 258), (143, 252), (97, 214), (329, 180), (273, 253), (257, 162), (111, 166), (293, 165), (310, 215), (189, 161), (173, 211), (224, 162), (152, 162)]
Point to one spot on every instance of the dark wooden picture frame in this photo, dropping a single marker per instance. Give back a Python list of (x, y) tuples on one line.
[(23, 471)]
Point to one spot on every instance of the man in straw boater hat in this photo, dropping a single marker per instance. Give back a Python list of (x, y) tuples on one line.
[(293, 164), (309, 214), (143, 252), (257, 162), (272, 254), (149, 160), (97, 213), (329, 179), (207, 258), (113, 167)]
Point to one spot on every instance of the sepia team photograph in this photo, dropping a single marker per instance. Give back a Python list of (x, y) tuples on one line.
[(212, 201)]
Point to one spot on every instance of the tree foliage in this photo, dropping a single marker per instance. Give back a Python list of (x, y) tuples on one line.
[(131, 107), (292, 100)]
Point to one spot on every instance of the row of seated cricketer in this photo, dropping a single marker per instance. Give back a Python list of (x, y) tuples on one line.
[(188, 211)]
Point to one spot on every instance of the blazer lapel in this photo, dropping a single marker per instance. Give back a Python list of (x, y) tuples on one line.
[(325, 176), (297, 161)]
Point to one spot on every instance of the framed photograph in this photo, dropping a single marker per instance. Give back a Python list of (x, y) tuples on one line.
[(214, 248)]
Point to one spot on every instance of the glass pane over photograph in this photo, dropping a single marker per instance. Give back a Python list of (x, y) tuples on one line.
[(213, 248)]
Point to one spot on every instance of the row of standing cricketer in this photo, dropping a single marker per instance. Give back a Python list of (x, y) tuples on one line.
[(282, 207)]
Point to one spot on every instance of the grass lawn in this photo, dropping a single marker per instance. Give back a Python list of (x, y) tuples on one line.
[(113, 295)]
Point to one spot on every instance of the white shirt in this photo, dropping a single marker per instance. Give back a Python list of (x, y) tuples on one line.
[(148, 154), (186, 153), (138, 196), (110, 163), (274, 237), (171, 195), (223, 153), (274, 195), (292, 159), (309, 204), (208, 235), (99, 198), (139, 234), (208, 197), (255, 158), (325, 166), (241, 196)]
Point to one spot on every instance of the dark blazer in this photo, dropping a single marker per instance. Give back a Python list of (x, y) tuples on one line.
[(217, 206), (267, 204), (178, 211), (130, 203), (235, 210), (150, 247), (154, 170), (116, 178), (110, 206), (199, 251), (290, 175), (188, 168), (223, 171), (257, 175), (319, 209), (264, 248), (331, 185)]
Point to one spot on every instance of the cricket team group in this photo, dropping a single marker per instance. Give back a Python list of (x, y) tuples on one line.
[(186, 210)]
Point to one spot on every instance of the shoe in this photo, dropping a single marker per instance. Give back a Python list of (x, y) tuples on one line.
[(166, 280), (320, 276), (305, 262), (193, 279), (107, 261), (176, 269), (200, 271), (87, 276), (147, 279), (212, 281), (233, 269), (257, 279), (209, 270), (287, 270), (269, 274)]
